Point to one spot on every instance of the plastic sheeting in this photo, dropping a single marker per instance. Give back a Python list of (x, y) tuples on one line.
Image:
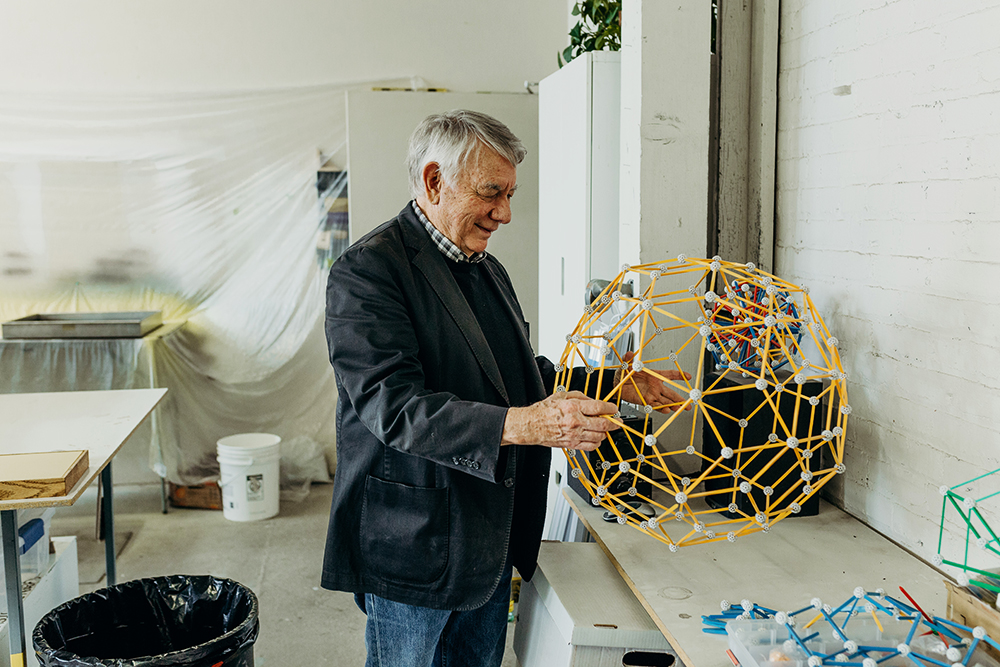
[(204, 207)]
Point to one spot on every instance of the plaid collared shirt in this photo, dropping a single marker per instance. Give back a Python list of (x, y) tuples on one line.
[(443, 243)]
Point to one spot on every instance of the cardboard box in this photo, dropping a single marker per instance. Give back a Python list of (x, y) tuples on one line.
[(207, 496), (967, 609), (578, 612)]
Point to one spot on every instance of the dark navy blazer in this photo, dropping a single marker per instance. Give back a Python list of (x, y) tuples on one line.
[(427, 506)]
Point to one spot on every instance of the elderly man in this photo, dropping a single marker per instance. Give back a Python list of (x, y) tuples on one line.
[(444, 422)]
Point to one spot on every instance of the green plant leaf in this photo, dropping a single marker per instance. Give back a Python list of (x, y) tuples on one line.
[(599, 27)]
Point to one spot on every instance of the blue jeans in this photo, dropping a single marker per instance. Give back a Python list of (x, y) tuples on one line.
[(403, 635)]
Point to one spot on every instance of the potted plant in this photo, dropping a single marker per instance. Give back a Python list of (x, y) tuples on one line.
[(598, 29)]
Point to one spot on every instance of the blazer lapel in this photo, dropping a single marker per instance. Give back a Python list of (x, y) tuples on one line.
[(431, 263)]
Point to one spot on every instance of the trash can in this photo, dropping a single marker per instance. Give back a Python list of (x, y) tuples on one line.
[(172, 620)]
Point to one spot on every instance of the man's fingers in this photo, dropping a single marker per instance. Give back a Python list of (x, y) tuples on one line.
[(601, 425), (584, 446), (580, 423), (592, 407), (588, 441), (575, 395)]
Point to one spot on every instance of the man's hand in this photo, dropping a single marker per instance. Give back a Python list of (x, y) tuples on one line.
[(568, 420), (643, 385)]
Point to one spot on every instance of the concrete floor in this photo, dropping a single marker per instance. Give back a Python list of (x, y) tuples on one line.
[(279, 559)]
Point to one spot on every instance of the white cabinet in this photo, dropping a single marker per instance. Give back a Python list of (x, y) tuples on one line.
[(578, 137), (578, 162)]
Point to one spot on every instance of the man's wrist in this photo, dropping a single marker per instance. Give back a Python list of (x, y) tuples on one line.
[(513, 427)]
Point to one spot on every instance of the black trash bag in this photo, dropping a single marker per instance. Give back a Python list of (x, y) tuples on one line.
[(174, 620)]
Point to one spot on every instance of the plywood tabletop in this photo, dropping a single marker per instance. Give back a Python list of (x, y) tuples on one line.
[(824, 556), (97, 421)]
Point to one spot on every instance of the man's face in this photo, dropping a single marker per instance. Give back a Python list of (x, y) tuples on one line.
[(475, 206)]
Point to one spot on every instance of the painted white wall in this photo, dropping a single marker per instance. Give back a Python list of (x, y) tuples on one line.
[(887, 208), (191, 45)]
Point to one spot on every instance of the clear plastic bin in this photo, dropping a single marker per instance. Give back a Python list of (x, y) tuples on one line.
[(765, 643), (33, 541)]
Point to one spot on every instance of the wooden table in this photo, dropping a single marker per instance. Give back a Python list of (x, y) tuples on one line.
[(824, 556), (98, 421)]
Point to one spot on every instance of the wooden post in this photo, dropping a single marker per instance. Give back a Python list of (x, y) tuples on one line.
[(747, 46)]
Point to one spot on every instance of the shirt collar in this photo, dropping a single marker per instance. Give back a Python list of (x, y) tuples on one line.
[(443, 243)]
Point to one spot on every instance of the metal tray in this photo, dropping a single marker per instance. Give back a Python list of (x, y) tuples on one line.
[(83, 325)]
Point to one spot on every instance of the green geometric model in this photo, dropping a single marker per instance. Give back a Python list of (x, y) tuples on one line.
[(977, 529)]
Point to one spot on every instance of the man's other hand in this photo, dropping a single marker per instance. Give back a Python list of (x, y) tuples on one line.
[(569, 420), (644, 385)]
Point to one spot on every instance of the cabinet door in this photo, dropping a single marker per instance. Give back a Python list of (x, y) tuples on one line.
[(563, 203), (605, 163)]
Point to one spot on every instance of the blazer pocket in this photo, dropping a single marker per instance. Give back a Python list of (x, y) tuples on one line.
[(404, 531)]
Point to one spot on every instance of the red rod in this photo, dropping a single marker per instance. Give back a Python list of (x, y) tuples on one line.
[(914, 602)]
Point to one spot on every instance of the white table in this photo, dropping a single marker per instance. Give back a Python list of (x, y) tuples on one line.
[(24, 363), (98, 421), (824, 556)]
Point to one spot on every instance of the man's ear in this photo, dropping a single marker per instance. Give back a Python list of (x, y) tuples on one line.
[(433, 182)]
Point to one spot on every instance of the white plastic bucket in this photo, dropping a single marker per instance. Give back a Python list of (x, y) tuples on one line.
[(249, 475)]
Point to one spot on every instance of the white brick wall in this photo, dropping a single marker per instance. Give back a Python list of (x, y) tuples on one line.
[(888, 178)]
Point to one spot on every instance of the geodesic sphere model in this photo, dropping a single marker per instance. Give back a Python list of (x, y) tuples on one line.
[(752, 337)]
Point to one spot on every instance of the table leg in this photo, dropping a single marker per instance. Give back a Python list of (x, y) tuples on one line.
[(12, 574), (163, 495), (108, 521)]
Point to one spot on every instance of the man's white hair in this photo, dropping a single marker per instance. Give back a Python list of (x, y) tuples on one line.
[(449, 139)]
